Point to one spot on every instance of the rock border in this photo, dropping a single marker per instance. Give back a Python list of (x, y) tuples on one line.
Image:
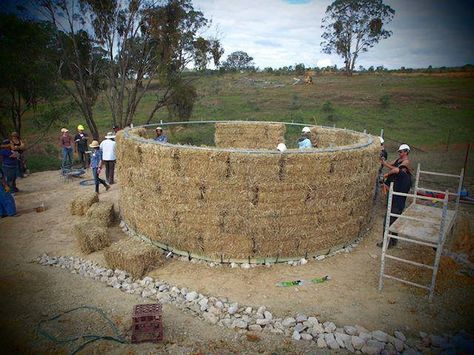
[(223, 312)]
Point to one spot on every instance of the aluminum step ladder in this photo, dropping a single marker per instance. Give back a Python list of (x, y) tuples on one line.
[(422, 225)]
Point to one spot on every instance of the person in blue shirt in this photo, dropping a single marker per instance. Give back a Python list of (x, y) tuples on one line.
[(96, 165), (9, 164), (160, 137), (304, 141)]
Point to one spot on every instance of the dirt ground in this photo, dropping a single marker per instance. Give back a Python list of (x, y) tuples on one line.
[(30, 293)]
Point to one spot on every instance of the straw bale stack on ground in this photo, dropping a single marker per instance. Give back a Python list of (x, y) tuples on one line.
[(81, 203), (233, 205), (249, 135), (101, 214), (91, 238), (133, 256)]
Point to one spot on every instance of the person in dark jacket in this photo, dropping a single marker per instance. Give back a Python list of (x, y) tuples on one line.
[(400, 174), (80, 139)]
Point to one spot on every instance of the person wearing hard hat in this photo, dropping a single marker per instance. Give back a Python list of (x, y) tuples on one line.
[(108, 156), (80, 139), (304, 141), (281, 147), (66, 142), (400, 174), (160, 137), (96, 166)]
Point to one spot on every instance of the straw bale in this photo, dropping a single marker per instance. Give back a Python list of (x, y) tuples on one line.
[(91, 238), (133, 256), (101, 213), (237, 205), (250, 135), (81, 202)]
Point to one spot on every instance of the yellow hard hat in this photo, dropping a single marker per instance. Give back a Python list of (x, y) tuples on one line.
[(80, 127)]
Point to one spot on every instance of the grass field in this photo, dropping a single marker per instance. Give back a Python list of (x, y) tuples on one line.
[(426, 111)]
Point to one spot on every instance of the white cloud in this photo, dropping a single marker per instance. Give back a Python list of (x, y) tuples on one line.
[(276, 33)]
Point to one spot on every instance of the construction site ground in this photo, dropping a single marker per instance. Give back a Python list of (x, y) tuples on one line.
[(30, 293)]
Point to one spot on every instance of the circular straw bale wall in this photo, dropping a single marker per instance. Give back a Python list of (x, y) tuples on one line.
[(248, 205)]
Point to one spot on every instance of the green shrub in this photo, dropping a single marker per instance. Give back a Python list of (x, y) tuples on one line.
[(384, 101), (327, 107)]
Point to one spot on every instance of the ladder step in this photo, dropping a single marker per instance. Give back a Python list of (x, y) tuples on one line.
[(406, 282), (413, 241), (409, 261)]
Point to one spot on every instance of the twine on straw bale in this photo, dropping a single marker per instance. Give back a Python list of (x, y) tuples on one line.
[(81, 202), (101, 214), (231, 204), (91, 238), (133, 256)]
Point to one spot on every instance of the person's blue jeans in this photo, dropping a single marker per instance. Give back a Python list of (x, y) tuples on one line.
[(67, 157)]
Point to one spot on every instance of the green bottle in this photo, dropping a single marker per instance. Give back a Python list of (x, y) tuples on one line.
[(289, 283), (319, 280)]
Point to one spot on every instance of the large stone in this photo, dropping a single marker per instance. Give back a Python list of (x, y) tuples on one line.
[(321, 343), (233, 308), (398, 345), (349, 329), (399, 335), (331, 341), (317, 329), (312, 320), (289, 321), (296, 335), (365, 336), (380, 336), (361, 329), (373, 347), (306, 336), (438, 341), (263, 321), (239, 323), (301, 318), (329, 327), (300, 327), (357, 342), (215, 311), (191, 296), (267, 315)]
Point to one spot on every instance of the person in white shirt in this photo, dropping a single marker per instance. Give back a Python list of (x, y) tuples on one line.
[(108, 156)]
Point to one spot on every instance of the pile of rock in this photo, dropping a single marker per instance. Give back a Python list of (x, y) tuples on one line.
[(223, 312)]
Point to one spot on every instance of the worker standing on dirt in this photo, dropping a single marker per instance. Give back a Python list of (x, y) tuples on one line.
[(96, 165), (400, 175), (108, 156), (160, 137), (304, 141), (9, 164), (80, 140), (66, 145)]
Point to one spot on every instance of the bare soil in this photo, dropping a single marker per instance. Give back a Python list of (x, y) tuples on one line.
[(30, 293)]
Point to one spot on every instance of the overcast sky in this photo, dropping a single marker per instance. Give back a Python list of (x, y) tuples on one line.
[(284, 32)]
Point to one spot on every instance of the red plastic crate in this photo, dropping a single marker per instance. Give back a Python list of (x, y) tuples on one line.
[(147, 325)]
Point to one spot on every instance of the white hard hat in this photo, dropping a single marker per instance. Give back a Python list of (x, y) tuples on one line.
[(281, 147), (381, 140), (404, 147), (158, 129), (306, 130)]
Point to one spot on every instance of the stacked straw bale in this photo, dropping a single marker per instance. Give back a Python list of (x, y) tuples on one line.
[(81, 203), (234, 205), (249, 135), (91, 238), (133, 256), (101, 214)]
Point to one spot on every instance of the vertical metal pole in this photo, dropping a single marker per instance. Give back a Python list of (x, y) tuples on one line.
[(458, 197), (439, 248), (385, 235), (416, 182), (381, 133)]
